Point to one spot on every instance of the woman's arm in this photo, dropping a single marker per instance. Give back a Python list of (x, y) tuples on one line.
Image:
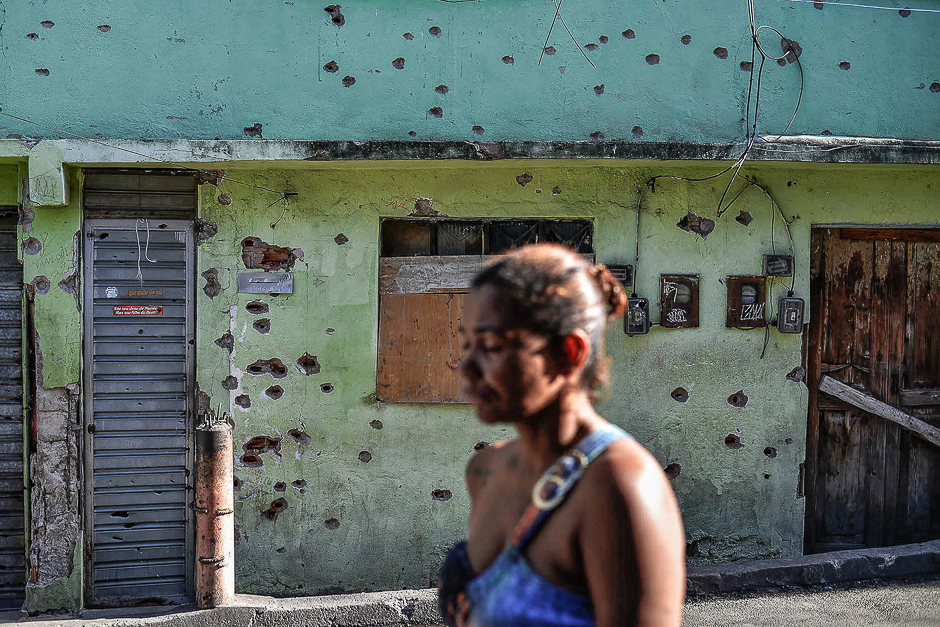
[(632, 541)]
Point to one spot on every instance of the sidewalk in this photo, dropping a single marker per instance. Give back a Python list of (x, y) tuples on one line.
[(419, 607)]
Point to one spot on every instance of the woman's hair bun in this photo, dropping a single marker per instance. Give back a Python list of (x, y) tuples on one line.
[(612, 292)]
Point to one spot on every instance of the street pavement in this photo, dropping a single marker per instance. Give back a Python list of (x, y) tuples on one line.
[(875, 604)]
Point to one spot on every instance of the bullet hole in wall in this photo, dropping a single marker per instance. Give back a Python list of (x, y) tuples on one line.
[(791, 49), (280, 486), (261, 444), (591, 47), (254, 130), (236, 483), (275, 392), (599, 90), (307, 364), (300, 437), (788, 441), (274, 367), (326, 388), (770, 452), (694, 223), (340, 239), (637, 132), (744, 218), (424, 207), (782, 62), (691, 548), (819, 6), (365, 457), (629, 34), (376, 424), (603, 39), (478, 130), (904, 12), (652, 59), (212, 288), (252, 461), (259, 255), (442, 495), (556, 191), (436, 112), (828, 133), (721, 53), (733, 441), (408, 36), (47, 23), (479, 446), (226, 341), (41, 284), (686, 40), (331, 524), (229, 383), (31, 246), (524, 179), (738, 399), (205, 230), (330, 331), (243, 401), (335, 15), (412, 134), (442, 89), (766, 476), (550, 50), (257, 307), (331, 67), (746, 66), (673, 470), (104, 28), (262, 325), (434, 31), (32, 36), (224, 199), (596, 136), (845, 65), (280, 550), (348, 81), (797, 375), (399, 63), (277, 506), (681, 395), (298, 484), (42, 71)]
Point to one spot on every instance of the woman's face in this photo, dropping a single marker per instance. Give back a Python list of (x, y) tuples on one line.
[(508, 371)]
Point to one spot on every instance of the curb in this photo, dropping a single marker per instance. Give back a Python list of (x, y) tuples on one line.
[(824, 568)]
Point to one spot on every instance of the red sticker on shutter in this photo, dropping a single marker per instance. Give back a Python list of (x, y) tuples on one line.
[(138, 310)]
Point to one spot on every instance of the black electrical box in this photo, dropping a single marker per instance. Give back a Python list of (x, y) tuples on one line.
[(778, 265), (637, 319), (622, 272), (790, 315)]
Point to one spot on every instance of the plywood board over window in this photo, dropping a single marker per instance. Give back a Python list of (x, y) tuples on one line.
[(424, 275)]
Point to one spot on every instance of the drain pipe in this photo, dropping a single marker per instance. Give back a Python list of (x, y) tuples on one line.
[(215, 519)]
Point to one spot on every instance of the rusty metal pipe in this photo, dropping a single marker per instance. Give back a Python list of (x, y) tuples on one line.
[(215, 519)]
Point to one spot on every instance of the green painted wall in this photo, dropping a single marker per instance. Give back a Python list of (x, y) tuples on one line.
[(9, 184), (108, 69), (736, 504)]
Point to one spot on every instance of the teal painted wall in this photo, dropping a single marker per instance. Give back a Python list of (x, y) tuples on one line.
[(737, 504), (213, 68)]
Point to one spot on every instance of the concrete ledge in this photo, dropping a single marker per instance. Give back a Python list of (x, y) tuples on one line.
[(810, 570)]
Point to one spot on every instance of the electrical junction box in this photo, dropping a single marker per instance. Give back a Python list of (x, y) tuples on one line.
[(790, 315), (622, 272), (678, 295), (637, 319), (746, 302), (778, 265)]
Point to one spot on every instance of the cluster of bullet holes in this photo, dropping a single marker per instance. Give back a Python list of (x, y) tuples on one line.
[(300, 437), (733, 441), (365, 457), (257, 307), (376, 424), (335, 15), (274, 392), (274, 367), (681, 395), (277, 506), (673, 470), (307, 364), (442, 495), (340, 239), (226, 341), (738, 399), (652, 59), (331, 524), (262, 325)]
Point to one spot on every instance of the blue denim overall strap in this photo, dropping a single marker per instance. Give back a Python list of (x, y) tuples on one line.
[(555, 483)]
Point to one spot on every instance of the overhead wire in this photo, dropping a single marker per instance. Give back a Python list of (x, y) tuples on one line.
[(866, 6)]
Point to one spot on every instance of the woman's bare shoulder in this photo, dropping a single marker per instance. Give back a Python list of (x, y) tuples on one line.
[(487, 462), (626, 469)]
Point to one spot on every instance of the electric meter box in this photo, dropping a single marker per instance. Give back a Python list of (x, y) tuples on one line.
[(746, 309), (778, 265), (637, 319), (790, 315), (678, 295)]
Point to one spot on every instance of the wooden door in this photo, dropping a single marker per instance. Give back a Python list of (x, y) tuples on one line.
[(875, 326)]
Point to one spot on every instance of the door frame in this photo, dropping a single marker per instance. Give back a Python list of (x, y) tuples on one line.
[(188, 227)]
